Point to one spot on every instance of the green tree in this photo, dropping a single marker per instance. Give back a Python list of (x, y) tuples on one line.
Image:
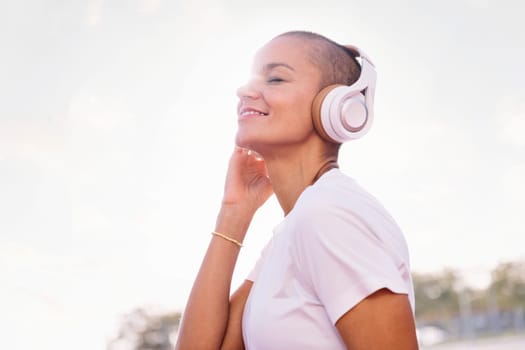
[(508, 285)]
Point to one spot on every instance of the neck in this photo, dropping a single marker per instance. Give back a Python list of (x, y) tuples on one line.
[(292, 172), (330, 163)]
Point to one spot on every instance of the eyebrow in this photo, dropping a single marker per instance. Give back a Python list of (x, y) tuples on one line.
[(273, 65)]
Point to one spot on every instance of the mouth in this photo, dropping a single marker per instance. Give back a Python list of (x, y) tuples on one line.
[(249, 112)]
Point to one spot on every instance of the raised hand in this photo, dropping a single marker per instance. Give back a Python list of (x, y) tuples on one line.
[(247, 183)]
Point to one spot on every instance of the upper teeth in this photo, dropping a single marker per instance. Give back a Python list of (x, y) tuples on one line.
[(252, 112)]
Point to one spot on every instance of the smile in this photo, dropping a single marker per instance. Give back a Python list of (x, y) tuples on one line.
[(248, 112)]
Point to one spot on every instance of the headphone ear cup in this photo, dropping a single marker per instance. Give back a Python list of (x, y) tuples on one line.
[(351, 115), (339, 114), (317, 106)]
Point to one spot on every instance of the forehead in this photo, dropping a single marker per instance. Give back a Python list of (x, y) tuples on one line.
[(292, 51)]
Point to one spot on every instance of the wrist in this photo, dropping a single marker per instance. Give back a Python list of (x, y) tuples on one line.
[(234, 220)]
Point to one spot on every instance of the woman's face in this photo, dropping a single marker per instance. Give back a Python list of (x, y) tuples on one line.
[(275, 105)]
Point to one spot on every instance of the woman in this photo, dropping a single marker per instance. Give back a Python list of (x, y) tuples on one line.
[(335, 274)]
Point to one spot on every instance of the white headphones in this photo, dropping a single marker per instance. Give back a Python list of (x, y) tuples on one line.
[(342, 113)]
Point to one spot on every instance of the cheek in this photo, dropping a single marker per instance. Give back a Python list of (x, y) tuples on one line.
[(296, 104), (302, 109)]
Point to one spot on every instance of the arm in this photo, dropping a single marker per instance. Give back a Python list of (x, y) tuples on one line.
[(383, 320), (366, 292), (233, 337), (210, 319)]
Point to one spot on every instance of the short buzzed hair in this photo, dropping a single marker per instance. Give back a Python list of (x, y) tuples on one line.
[(337, 63)]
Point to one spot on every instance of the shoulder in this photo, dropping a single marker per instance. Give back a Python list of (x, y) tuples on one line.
[(329, 208), (326, 192), (335, 196), (338, 208)]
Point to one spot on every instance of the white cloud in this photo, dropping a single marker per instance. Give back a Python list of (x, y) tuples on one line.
[(93, 12), (514, 185), (149, 6), (510, 118), (481, 4), (513, 130), (102, 113), (38, 142)]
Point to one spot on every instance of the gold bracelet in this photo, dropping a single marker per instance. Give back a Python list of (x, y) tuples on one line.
[(229, 239)]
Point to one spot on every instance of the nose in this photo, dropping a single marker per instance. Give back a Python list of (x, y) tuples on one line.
[(248, 90)]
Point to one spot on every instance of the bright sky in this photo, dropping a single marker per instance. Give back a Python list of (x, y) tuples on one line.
[(117, 120)]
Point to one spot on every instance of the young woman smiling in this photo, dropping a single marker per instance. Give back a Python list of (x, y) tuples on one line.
[(336, 272)]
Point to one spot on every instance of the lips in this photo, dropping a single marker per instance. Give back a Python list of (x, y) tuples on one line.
[(250, 112)]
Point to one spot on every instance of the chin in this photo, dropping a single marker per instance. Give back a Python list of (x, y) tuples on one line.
[(243, 141), (251, 143)]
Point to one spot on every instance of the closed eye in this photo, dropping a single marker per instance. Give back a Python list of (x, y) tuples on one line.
[(275, 80)]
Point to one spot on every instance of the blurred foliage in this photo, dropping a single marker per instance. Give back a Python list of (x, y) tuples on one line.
[(145, 330), (508, 285), (445, 300), (436, 295)]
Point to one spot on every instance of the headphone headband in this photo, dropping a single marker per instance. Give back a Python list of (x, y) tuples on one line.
[(366, 82)]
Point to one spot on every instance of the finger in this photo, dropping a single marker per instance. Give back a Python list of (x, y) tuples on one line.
[(237, 150), (257, 156)]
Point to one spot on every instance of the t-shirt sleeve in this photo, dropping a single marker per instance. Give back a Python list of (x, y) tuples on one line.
[(252, 276), (343, 261)]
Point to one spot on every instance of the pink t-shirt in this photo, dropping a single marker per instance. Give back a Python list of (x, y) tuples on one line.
[(337, 246)]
